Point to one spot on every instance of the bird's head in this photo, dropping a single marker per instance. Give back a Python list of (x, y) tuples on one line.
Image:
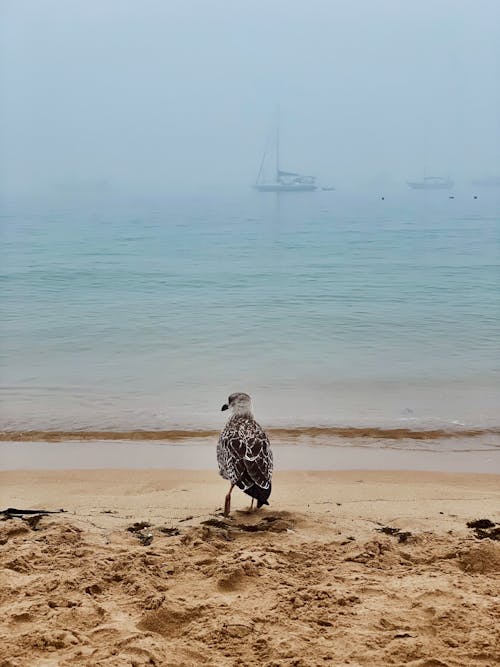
[(239, 403)]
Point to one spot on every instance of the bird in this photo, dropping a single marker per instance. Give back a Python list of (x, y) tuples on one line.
[(244, 453)]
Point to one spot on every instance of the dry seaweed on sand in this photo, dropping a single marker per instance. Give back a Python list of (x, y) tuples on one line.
[(138, 526), (485, 529), (14, 512), (402, 535), (169, 531)]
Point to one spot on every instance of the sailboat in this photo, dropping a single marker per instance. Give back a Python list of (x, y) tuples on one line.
[(431, 183), (284, 181)]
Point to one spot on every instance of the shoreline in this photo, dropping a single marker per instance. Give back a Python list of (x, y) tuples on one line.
[(281, 432)]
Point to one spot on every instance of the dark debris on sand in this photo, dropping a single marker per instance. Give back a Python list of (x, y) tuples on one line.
[(270, 523), (396, 532), (145, 537), (29, 516), (166, 530), (485, 529), (12, 511), (138, 526)]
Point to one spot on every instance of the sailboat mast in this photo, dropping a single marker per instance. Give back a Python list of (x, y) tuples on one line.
[(277, 145), (259, 175)]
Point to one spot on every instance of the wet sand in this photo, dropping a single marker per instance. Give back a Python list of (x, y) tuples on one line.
[(311, 580), (199, 454)]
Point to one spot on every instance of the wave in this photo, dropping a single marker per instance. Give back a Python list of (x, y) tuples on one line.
[(178, 435)]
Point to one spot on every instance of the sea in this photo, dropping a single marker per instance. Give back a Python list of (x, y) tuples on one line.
[(342, 314)]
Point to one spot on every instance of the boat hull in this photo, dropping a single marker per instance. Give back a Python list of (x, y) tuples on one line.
[(418, 185)]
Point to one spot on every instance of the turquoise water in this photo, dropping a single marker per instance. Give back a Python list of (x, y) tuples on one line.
[(329, 309)]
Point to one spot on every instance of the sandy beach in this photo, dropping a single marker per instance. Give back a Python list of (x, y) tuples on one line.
[(344, 568)]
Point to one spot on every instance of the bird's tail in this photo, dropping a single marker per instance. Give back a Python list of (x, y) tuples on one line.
[(261, 495)]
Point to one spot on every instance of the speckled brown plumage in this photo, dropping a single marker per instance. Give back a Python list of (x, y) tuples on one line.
[(245, 458)]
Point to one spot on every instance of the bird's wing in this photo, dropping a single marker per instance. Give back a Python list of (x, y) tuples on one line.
[(258, 457), (230, 455)]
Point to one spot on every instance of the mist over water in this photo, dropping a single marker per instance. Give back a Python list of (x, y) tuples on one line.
[(143, 280), (161, 97)]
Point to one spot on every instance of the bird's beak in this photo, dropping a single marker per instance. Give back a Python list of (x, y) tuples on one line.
[(225, 407)]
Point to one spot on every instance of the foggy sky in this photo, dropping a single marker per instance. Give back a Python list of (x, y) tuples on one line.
[(178, 95)]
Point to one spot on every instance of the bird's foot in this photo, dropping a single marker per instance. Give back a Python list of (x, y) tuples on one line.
[(227, 505), (249, 510)]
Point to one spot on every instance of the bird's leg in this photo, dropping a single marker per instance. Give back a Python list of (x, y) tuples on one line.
[(227, 504), (251, 505)]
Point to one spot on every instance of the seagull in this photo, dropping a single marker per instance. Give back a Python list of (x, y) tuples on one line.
[(244, 453)]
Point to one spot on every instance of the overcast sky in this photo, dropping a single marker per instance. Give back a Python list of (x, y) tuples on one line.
[(177, 95)]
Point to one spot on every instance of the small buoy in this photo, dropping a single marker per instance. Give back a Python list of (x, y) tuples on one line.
[(451, 197), (475, 196), (382, 198)]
